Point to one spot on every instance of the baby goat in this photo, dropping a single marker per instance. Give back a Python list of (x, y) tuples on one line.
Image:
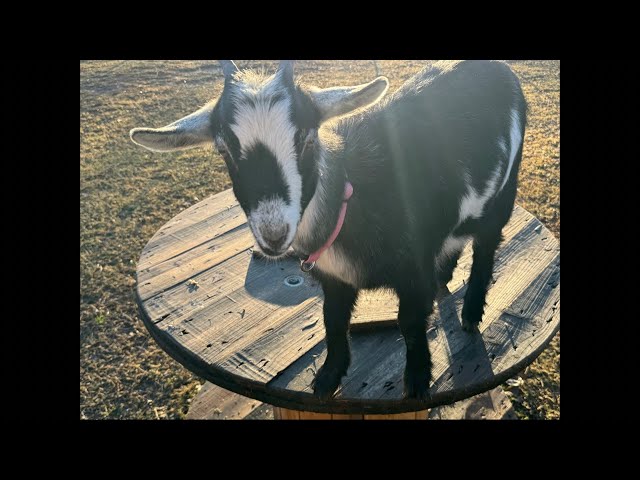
[(385, 197)]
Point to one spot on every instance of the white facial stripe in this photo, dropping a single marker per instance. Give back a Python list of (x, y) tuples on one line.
[(515, 140), (260, 122), (264, 123)]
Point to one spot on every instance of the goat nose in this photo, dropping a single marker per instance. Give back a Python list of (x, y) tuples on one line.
[(275, 237)]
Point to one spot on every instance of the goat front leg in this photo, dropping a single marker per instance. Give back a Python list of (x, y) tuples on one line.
[(339, 300), (416, 304)]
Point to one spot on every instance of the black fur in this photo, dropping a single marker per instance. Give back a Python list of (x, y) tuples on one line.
[(339, 301), (405, 159), (261, 177), (257, 175)]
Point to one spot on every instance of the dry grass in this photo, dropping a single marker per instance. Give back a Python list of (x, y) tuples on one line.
[(127, 194)]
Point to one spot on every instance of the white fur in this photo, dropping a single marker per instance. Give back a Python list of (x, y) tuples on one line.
[(271, 214), (451, 246), (472, 203), (271, 126), (333, 262), (471, 206), (515, 140)]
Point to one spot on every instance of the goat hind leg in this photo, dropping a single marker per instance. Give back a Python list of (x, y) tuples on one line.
[(445, 272), (484, 248)]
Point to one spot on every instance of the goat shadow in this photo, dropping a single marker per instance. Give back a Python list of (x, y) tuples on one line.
[(279, 282)]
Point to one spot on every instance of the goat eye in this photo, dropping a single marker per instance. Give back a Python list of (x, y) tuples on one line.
[(226, 156), (222, 150)]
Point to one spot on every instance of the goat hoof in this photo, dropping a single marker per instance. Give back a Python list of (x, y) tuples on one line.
[(416, 386), (326, 382), (470, 326), (470, 322)]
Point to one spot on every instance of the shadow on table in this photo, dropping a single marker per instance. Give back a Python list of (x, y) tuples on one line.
[(468, 355), (279, 282), (472, 356)]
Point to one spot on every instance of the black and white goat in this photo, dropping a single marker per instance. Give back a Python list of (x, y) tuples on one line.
[(426, 169)]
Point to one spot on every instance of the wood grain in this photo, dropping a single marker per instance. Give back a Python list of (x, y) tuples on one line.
[(192, 227), (230, 318), (215, 403), (180, 268)]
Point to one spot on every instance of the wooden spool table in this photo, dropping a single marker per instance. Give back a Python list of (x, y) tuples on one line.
[(255, 327)]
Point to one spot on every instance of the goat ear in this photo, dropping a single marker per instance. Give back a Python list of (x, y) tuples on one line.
[(228, 67), (336, 101), (189, 132), (285, 70)]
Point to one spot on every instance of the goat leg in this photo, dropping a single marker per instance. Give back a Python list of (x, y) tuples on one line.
[(339, 300)]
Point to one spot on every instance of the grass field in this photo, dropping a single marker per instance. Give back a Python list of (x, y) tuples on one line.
[(127, 193)]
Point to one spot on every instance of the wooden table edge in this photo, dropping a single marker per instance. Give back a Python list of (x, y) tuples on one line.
[(307, 402)]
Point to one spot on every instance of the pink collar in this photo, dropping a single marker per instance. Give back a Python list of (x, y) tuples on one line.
[(310, 262)]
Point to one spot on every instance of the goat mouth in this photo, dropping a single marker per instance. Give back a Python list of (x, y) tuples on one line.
[(275, 254)]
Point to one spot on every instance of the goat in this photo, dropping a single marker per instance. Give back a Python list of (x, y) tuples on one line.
[(370, 193)]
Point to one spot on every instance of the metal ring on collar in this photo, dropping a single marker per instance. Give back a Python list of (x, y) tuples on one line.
[(306, 267)]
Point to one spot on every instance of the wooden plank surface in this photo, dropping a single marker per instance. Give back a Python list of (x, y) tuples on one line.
[(234, 320), (180, 268), (215, 403), (191, 227)]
